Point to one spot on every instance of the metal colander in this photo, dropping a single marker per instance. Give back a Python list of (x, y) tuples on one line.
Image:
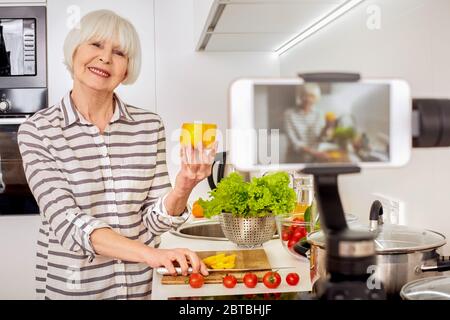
[(248, 232)]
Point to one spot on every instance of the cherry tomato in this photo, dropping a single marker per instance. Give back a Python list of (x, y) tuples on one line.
[(294, 239), (229, 281), (299, 233), (292, 242), (286, 235), (302, 229), (250, 280), (196, 280), (293, 228), (272, 279), (292, 279)]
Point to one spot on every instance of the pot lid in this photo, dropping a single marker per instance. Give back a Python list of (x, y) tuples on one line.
[(393, 238), (432, 288)]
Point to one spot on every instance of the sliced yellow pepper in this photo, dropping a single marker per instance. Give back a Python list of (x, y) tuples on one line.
[(213, 259), (220, 261)]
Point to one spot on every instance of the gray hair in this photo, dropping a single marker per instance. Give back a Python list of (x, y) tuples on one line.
[(106, 25), (312, 88)]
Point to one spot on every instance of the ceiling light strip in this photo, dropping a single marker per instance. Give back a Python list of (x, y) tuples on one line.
[(327, 19)]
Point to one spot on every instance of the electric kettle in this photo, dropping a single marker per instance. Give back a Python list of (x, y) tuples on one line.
[(221, 169)]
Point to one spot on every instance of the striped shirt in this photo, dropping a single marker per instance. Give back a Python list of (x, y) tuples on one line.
[(303, 128), (84, 180)]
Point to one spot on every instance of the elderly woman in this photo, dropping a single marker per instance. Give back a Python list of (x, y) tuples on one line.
[(305, 126), (97, 168)]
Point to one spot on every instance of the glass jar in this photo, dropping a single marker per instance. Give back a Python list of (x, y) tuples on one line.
[(303, 185)]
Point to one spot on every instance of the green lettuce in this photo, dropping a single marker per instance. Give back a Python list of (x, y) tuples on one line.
[(268, 195)]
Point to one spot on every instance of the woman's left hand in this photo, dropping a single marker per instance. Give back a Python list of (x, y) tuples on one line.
[(195, 166)]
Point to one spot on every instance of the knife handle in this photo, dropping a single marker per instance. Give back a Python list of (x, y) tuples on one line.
[(165, 272)]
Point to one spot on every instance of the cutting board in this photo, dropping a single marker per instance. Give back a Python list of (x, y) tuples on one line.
[(254, 260)]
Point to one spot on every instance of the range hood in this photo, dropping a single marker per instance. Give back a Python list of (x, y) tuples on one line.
[(260, 25)]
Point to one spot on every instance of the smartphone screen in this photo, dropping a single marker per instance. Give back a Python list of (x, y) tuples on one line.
[(322, 123)]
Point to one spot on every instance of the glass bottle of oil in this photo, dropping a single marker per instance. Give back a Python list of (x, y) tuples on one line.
[(303, 185)]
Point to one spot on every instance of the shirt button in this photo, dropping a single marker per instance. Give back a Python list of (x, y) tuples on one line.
[(119, 261)]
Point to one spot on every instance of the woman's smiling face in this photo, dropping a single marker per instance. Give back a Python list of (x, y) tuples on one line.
[(100, 65)]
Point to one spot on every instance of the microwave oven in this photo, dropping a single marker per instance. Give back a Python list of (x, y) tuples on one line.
[(23, 62)]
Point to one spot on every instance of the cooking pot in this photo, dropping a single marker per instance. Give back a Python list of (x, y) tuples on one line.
[(403, 254), (430, 288)]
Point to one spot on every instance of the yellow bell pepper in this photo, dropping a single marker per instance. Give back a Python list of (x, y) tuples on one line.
[(220, 261)]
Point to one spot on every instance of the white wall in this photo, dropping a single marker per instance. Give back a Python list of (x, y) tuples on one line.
[(189, 86), (412, 44), (193, 85)]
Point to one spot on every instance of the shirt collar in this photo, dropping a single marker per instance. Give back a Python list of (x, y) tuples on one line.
[(72, 115)]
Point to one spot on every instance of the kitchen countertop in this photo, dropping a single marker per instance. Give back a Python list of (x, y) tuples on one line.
[(277, 255)]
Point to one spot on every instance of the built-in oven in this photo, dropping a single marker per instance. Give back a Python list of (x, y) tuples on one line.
[(23, 91), (15, 195)]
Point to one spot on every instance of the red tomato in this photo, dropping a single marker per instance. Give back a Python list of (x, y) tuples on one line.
[(302, 229), (272, 279), (196, 280), (286, 235), (292, 242), (293, 228), (286, 229), (250, 280), (292, 279), (298, 234), (229, 281)]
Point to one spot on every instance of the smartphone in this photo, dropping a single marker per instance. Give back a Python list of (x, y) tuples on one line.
[(288, 124)]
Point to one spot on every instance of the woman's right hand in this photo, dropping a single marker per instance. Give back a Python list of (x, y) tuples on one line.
[(186, 258), (320, 156)]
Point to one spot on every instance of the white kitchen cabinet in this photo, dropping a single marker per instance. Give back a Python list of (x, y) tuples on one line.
[(258, 25), (64, 13)]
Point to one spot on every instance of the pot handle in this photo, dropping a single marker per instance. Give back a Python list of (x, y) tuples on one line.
[(442, 264)]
